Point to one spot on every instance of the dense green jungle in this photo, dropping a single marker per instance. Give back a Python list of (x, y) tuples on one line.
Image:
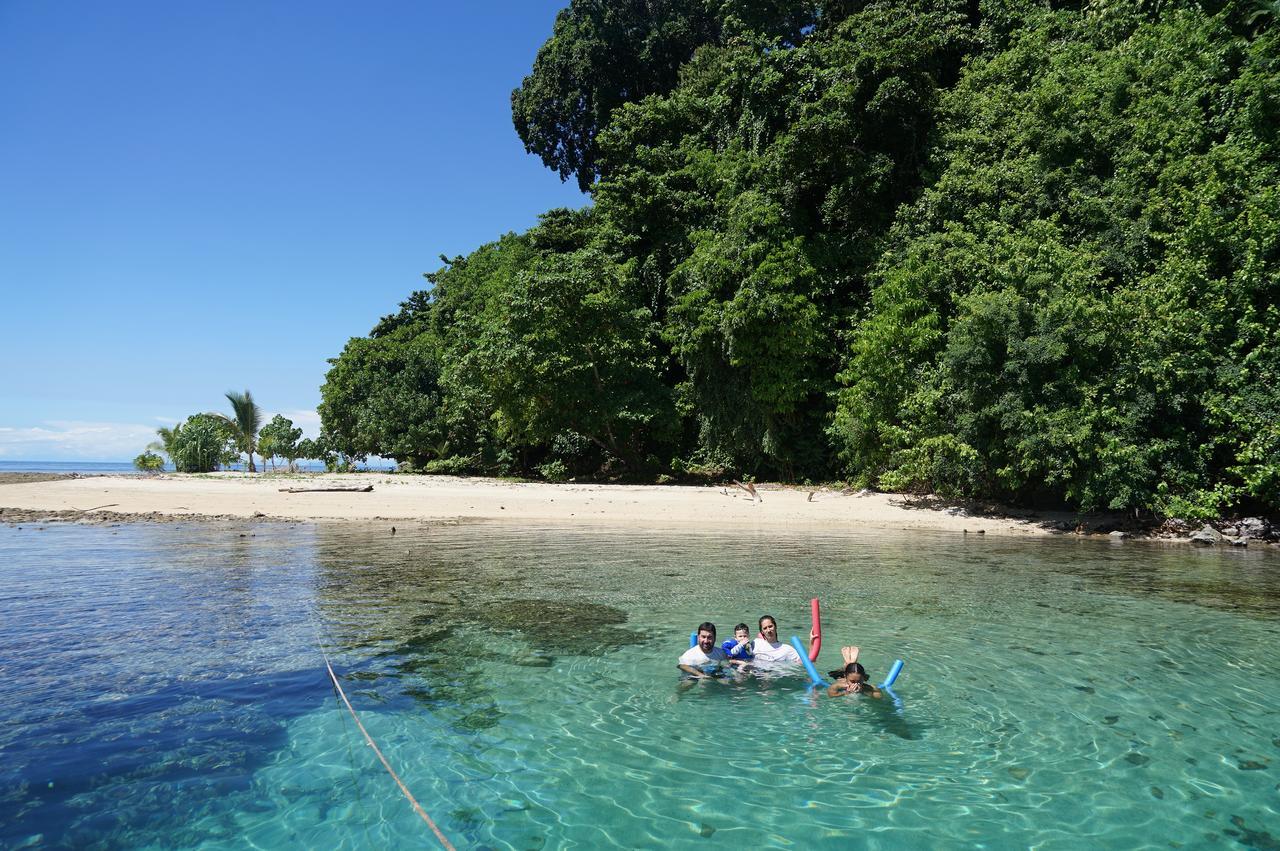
[(992, 249)]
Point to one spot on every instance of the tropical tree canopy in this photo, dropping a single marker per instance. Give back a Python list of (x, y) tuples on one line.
[(279, 438), (991, 249), (205, 442)]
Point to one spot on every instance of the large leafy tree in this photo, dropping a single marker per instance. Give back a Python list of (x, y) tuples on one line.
[(566, 351), (601, 55), (382, 396), (1082, 305), (754, 197), (997, 248), (606, 53), (279, 437)]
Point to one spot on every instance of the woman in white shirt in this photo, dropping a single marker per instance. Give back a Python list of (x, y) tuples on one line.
[(767, 649)]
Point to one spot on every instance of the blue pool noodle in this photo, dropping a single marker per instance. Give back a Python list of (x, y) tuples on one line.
[(693, 639), (808, 666), (893, 674)]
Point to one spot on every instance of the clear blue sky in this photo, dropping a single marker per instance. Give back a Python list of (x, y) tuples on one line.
[(199, 197)]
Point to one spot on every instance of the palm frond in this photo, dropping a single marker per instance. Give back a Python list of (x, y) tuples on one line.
[(246, 420)]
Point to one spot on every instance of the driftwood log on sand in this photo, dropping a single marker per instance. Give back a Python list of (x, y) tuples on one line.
[(365, 489)]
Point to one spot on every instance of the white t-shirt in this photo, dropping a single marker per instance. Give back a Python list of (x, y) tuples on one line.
[(695, 658), (773, 652)]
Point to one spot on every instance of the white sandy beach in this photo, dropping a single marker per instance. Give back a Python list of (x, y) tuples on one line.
[(435, 498)]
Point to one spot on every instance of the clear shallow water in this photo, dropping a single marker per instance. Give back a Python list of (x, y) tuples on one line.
[(163, 688)]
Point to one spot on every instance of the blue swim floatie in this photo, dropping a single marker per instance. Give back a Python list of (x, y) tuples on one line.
[(808, 665)]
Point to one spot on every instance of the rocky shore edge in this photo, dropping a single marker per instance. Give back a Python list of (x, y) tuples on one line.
[(98, 517)]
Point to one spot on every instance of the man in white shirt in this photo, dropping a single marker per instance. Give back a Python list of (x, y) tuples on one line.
[(704, 658), (768, 650)]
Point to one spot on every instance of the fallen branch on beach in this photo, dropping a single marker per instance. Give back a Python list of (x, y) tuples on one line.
[(749, 488), (96, 507), (365, 489)]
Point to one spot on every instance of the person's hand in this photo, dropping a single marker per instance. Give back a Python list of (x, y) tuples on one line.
[(813, 633)]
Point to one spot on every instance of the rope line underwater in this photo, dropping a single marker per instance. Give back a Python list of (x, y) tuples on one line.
[(417, 808)]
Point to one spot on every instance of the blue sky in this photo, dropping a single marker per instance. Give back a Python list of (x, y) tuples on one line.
[(196, 198)]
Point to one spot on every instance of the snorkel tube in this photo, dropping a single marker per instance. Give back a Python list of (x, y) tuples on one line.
[(817, 631), (808, 664)]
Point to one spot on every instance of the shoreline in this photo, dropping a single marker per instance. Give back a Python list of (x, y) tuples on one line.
[(261, 497), (234, 497)]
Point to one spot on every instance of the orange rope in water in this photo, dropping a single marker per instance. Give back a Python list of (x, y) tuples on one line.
[(417, 808)]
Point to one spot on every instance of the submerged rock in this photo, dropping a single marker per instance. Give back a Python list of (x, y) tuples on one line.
[(556, 627)]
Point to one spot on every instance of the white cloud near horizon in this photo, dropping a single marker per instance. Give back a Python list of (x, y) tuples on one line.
[(56, 440), (77, 440), (308, 421)]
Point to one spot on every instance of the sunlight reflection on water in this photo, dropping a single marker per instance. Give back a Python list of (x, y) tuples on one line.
[(167, 690)]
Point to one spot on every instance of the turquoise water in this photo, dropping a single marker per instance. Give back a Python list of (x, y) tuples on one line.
[(163, 688)]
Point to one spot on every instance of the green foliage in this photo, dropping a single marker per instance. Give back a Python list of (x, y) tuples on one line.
[(451, 466), (1081, 307), (601, 55), (554, 471), (382, 396), (168, 437), (148, 462), (204, 443), (316, 449), (322, 449), (1002, 249), (244, 422), (279, 438), (565, 349)]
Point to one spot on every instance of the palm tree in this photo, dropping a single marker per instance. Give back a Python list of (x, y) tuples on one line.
[(168, 438), (246, 421)]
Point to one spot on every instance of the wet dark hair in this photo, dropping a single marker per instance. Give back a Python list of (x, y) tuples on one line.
[(709, 627), (764, 618), (742, 626), (851, 668)]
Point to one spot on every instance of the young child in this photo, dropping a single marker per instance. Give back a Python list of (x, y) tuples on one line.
[(739, 647), (852, 679)]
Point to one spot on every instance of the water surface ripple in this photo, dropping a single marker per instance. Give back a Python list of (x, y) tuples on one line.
[(164, 688)]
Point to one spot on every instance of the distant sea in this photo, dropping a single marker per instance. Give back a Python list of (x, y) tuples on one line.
[(67, 467), (126, 467)]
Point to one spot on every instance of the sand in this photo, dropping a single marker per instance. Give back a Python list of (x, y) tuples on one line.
[(444, 499)]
